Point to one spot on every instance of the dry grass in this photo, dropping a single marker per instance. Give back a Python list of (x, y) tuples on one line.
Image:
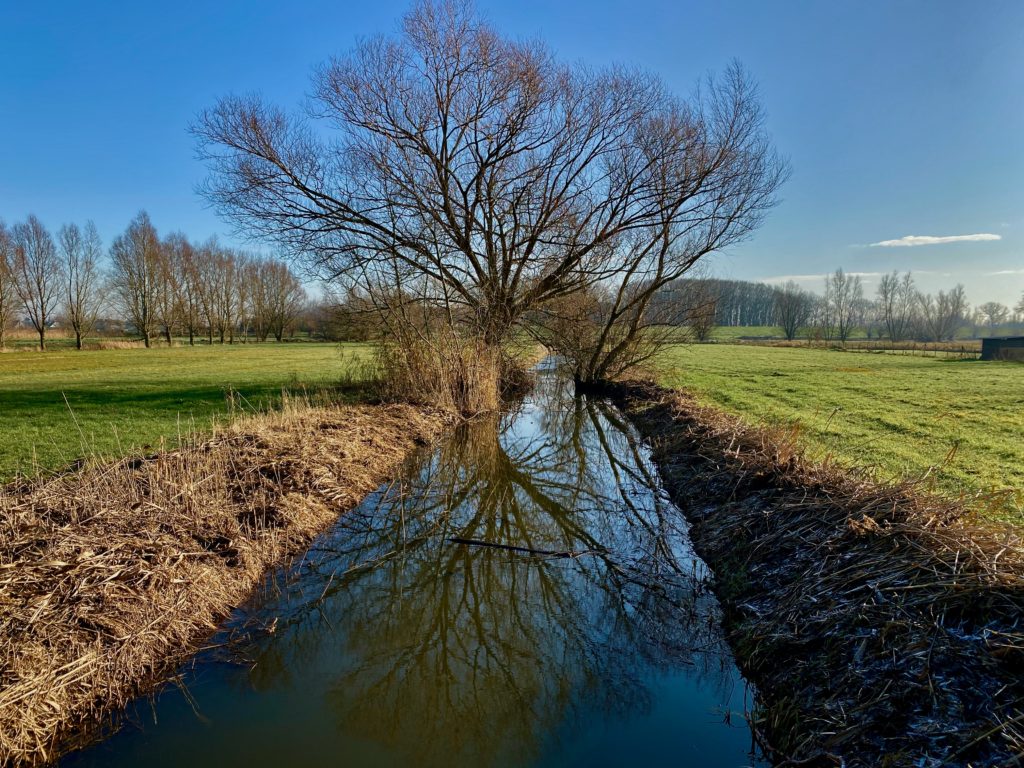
[(883, 624), (459, 375), (111, 575), (104, 344)]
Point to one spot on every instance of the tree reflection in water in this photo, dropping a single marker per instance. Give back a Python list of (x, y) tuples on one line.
[(394, 645), (458, 654)]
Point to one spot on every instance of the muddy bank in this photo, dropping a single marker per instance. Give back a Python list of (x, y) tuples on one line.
[(883, 626), (111, 576)]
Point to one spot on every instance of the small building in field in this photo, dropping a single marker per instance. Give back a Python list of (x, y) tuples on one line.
[(1003, 348)]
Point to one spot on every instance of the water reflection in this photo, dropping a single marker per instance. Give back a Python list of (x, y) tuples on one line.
[(393, 644)]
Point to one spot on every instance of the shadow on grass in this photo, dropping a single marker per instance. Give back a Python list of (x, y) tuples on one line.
[(48, 429)]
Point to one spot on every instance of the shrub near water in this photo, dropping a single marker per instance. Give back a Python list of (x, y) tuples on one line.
[(456, 374)]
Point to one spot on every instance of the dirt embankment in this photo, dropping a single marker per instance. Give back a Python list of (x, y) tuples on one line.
[(110, 576), (882, 625)]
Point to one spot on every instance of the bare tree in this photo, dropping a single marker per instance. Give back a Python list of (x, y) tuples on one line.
[(167, 294), (136, 274), (942, 314), (181, 257), (243, 291), (231, 296), (843, 296), (205, 276), (8, 296), (793, 309), (285, 297), (897, 298), (701, 314), (38, 274), (488, 179), (82, 252), (994, 314), (1019, 309)]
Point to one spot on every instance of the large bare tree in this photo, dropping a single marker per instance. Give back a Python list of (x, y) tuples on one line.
[(38, 274), (82, 252), (481, 175)]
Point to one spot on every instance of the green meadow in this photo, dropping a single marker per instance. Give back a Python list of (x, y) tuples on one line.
[(898, 414), (59, 406)]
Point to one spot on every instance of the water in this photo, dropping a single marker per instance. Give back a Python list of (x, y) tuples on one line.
[(391, 645)]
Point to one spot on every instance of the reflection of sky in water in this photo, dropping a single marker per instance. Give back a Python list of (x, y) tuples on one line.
[(392, 645)]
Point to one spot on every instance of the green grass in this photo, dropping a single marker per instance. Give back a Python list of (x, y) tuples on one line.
[(123, 400), (898, 414), (734, 332)]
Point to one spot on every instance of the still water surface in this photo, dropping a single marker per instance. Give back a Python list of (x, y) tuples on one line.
[(390, 644)]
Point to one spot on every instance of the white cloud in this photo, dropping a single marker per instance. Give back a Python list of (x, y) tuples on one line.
[(912, 240), (1006, 272)]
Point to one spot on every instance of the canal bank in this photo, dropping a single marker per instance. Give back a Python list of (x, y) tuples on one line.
[(881, 624), (111, 576)]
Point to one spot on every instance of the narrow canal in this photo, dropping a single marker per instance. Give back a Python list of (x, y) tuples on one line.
[(405, 637)]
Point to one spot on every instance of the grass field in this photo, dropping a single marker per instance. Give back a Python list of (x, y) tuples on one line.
[(59, 406), (899, 414)]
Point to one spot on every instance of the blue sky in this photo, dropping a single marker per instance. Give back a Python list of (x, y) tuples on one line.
[(899, 118)]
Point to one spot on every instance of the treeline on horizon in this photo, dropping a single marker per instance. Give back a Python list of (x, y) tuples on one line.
[(144, 285), (151, 287), (898, 311)]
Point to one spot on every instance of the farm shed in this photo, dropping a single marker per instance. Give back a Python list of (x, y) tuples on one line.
[(1004, 348)]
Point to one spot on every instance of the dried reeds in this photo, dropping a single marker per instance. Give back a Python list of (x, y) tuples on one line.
[(110, 575), (462, 375), (882, 624)]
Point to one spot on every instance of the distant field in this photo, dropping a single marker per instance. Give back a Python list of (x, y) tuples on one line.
[(118, 400), (899, 414), (733, 332)]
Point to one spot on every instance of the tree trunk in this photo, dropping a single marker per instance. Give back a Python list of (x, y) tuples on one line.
[(78, 339), (42, 339)]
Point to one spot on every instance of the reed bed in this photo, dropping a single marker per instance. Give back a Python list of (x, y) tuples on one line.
[(460, 375), (883, 625), (111, 575)]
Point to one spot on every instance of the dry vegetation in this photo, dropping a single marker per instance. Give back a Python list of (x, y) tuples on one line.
[(881, 623), (111, 575)]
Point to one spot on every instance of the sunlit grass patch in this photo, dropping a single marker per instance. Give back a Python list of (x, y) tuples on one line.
[(60, 406), (901, 414)]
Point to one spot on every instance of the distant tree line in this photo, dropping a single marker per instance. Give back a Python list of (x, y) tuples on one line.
[(159, 287), (736, 302), (898, 311)]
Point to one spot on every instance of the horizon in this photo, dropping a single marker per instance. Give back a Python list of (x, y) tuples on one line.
[(902, 124)]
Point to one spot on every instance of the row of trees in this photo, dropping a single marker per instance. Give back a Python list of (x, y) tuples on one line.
[(899, 311), (158, 286)]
